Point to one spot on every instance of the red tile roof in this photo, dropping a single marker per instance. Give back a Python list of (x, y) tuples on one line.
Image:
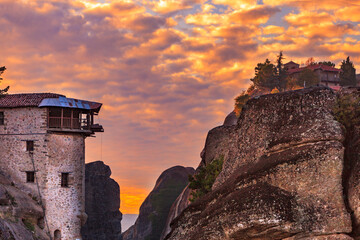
[(325, 68), (25, 99)]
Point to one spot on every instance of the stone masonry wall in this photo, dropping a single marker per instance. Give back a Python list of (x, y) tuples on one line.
[(53, 154), (65, 208)]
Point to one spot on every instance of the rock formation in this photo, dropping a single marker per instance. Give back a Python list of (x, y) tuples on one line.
[(102, 203), (284, 174), (155, 208), (21, 216), (216, 145)]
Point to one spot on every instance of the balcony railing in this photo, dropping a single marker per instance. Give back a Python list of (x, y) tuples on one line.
[(66, 122)]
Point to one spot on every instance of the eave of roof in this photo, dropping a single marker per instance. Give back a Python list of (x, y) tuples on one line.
[(46, 100)]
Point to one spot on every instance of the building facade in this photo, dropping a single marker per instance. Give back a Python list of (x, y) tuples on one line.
[(328, 76), (43, 150)]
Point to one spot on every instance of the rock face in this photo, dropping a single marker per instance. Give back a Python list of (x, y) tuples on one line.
[(102, 203), (351, 180), (21, 216), (281, 177), (155, 209), (218, 143)]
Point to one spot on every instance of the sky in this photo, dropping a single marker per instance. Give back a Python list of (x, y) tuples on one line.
[(166, 71)]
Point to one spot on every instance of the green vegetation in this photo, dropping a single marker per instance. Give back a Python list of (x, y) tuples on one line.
[(269, 76), (29, 225), (240, 102), (307, 78), (202, 182), (327, 63), (348, 74), (347, 111), (161, 202), (265, 75)]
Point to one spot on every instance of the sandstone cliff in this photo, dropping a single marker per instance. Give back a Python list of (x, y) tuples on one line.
[(285, 175), (21, 216), (102, 203), (155, 208)]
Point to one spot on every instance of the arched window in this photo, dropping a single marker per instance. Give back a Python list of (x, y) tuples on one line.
[(57, 235)]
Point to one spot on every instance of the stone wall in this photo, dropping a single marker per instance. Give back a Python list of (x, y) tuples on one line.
[(53, 154), (65, 208)]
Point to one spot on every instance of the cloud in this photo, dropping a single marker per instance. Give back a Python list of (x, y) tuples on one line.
[(171, 6), (256, 15), (313, 5), (166, 72), (349, 14), (309, 18)]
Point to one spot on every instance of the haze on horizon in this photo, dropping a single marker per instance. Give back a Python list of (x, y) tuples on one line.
[(166, 71)]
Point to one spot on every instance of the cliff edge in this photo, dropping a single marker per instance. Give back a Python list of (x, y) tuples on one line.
[(284, 176)]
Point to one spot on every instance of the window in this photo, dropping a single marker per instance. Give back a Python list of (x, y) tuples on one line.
[(57, 235), (29, 146), (64, 179), (30, 176), (2, 118)]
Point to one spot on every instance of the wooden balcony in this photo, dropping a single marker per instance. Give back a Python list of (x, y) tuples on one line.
[(67, 120)]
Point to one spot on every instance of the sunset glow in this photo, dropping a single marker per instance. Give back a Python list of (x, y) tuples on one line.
[(166, 71)]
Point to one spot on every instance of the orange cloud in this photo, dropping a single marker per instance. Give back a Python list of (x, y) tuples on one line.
[(309, 18), (349, 14), (313, 5), (171, 6), (255, 15), (236, 4), (271, 29), (164, 76)]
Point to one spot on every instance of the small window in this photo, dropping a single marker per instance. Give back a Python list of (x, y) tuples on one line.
[(30, 177), (57, 235), (2, 118), (64, 179), (29, 146)]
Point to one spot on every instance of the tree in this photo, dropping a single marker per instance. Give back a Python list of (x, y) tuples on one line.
[(307, 78), (310, 61), (347, 74), (281, 73), (265, 75), (201, 183), (328, 63), (292, 83), (3, 91)]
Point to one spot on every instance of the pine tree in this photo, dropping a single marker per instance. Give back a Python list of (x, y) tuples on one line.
[(347, 75)]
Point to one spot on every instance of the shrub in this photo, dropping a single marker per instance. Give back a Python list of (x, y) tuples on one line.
[(28, 225), (240, 102), (202, 182), (347, 110)]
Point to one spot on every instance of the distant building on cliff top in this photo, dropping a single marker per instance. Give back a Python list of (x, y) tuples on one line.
[(328, 76), (43, 150)]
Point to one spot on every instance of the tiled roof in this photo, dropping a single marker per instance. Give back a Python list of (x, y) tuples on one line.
[(291, 62), (325, 68), (25, 99)]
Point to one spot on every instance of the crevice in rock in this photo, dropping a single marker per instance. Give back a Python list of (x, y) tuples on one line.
[(349, 164)]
